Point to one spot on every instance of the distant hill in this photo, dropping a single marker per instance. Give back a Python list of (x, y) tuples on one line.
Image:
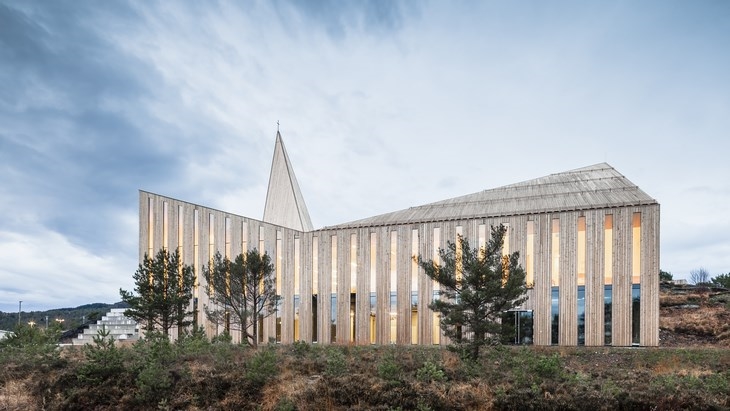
[(72, 317)]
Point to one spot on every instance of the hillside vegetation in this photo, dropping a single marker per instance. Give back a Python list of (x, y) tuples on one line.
[(690, 371)]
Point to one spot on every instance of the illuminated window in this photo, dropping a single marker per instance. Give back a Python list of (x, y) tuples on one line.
[(505, 245), (555, 255), (530, 255), (555, 279), (505, 254), (244, 237), (636, 248), (297, 291), (608, 249), (393, 286), (353, 284), (196, 248), (279, 251), (150, 228), (333, 302), (262, 231), (459, 262), (581, 268), (414, 287), (373, 285), (180, 225), (211, 245), (482, 238), (436, 326), (227, 234), (315, 286), (165, 226)]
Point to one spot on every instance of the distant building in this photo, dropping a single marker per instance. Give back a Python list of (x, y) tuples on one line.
[(120, 327), (5, 334), (588, 240)]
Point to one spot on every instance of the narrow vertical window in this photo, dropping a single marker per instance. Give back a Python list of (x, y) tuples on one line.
[(459, 262), (279, 251), (196, 263), (608, 278), (353, 285), (414, 287), (297, 291), (150, 228), (608, 249), (227, 229), (555, 254), (211, 244), (333, 290), (505, 245), (636, 278), (505, 254), (636, 248), (165, 226), (393, 286), (555, 280), (581, 279), (530, 255), (261, 251), (436, 326), (581, 257), (244, 237), (180, 225), (482, 238), (315, 286), (373, 285)]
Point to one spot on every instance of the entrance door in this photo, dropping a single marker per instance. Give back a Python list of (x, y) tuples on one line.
[(517, 327)]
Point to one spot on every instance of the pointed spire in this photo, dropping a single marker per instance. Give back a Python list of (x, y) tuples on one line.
[(284, 201)]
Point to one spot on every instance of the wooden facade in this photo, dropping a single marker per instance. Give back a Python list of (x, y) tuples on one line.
[(588, 238)]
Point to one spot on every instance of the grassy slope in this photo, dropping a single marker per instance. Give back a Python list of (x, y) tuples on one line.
[(200, 375)]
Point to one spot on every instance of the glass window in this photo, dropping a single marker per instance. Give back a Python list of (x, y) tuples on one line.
[(581, 252), (414, 287), (393, 286), (608, 249), (530, 255), (636, 248), (373, 285)]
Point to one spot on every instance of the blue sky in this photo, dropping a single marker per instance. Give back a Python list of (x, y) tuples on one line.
[(383, 105)]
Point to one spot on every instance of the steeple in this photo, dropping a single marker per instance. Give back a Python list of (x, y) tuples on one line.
[(284, 201)]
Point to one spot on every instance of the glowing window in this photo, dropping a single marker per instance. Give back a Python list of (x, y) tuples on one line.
[(608, 249), (581, 268), (555, 255), (530, 255), (636, 248)]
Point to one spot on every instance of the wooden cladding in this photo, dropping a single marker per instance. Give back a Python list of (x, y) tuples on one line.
[(361, 285)]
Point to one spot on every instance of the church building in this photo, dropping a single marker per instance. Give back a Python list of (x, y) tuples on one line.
[(588, 240)]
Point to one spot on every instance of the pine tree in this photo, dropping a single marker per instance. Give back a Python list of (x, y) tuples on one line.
[(241, 292), (163, 292), (476, 287)]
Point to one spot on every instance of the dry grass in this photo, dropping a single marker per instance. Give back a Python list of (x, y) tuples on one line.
[(16, 395)]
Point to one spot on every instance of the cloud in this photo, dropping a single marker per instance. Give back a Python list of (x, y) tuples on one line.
[(383, 105)]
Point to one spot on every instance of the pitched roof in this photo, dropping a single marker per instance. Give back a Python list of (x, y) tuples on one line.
[(596, 186), (284, 201)]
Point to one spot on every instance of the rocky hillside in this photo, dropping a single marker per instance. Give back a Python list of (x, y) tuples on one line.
[(694, 316)]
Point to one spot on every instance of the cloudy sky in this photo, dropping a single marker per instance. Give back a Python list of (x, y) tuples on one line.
[(383, 105)]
